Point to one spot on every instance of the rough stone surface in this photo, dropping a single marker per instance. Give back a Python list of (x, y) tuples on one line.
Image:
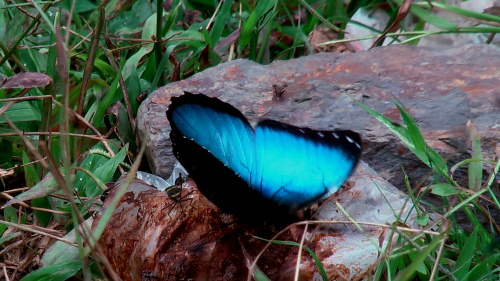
[(442, 89), (150, 234)]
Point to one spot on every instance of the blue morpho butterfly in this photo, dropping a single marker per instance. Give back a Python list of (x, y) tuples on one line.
[(263, 173)]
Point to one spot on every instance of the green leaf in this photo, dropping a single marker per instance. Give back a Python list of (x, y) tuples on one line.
[(46, 186), (7, 149), (106, 171), (82, 6), (416, 263), (106, 102), (134, 90), (256, 20), (482, 271), (423, 220), (464, 261), (475, 168), (171, 19), (10, 214), (6, 238), (220, 22), (148, 32), (21, 112), (444, 189), (40, 202), (61, 271), (60, 251)]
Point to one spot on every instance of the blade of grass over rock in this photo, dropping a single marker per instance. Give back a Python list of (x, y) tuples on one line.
[(412, 138), (434, 160), (317, 260), (430, 18), (462, 12)]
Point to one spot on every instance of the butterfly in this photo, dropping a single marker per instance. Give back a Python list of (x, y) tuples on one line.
[(273, 169)]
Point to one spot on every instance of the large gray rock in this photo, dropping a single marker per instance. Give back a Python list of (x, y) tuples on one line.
[(442, 89)]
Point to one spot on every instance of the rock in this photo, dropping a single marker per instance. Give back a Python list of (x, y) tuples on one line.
[(151, 234)]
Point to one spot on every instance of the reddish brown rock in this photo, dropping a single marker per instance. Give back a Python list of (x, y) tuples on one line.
[(150, 234)]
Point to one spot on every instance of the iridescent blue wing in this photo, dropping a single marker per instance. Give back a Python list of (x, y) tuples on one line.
[(298, 166)]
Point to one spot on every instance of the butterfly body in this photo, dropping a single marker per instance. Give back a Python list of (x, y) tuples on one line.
[(276, 167)]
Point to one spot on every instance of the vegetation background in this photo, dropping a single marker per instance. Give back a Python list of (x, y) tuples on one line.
[(73, 74)]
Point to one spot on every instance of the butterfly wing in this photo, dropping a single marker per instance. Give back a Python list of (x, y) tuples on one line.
[(298, 166), (216, 126)]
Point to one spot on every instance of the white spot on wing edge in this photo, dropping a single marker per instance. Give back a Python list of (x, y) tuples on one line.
[(352, 141)]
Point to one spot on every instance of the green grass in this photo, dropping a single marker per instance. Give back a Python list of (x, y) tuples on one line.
[(104, 56)]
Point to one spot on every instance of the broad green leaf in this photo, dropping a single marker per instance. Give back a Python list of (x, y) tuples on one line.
[(6, 238), (3, 24), (444, 189), (423, 220), (7, 151), (134, 90), (92, 163), (101, 65), (82, 6), (10, 214)]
